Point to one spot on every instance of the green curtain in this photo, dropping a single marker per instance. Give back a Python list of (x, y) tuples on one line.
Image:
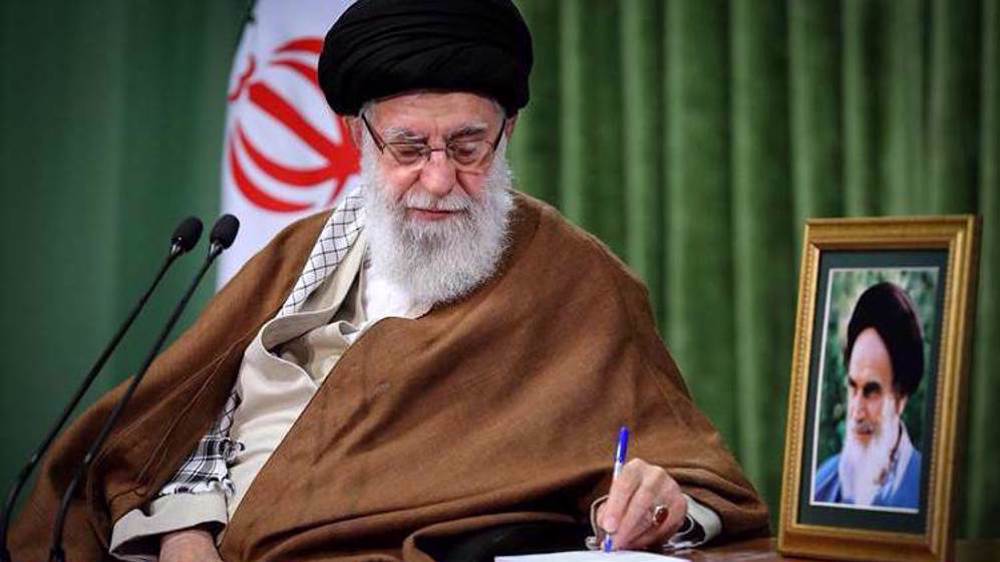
[(693, 136), (111, 119)]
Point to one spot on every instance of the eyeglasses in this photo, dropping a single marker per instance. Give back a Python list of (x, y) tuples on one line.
[(467, 155)]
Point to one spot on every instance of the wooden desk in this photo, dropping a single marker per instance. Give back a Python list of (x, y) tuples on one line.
[(763, 550)]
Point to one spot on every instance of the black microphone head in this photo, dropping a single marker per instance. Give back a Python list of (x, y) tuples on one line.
[(224, 231), (187, 234)]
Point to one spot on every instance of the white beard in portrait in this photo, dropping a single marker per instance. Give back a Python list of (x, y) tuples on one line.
[(863, 468), (437, 261)]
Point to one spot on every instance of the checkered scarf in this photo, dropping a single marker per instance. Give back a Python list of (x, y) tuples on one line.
[(207, 467)]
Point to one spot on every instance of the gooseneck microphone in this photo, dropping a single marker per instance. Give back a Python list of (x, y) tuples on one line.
[(223, 233), (184, 238)]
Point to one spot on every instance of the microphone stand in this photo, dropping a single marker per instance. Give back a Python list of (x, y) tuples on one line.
[(182, 241), (57, 554)]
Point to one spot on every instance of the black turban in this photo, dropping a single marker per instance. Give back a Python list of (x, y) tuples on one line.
[(380, 48), (888, 309)]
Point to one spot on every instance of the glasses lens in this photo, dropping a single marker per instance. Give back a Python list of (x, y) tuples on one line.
[(469, 153), (408, 153)]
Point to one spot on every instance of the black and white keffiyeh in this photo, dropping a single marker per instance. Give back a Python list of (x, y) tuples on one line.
[(337, 237), (207, 467)]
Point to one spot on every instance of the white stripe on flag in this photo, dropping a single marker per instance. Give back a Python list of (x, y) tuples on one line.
[(286, 155)]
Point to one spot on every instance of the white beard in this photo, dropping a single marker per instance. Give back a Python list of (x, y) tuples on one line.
[(863, 468), (437, 261)]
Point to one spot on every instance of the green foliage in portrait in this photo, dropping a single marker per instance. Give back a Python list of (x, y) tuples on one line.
[(846, 285)]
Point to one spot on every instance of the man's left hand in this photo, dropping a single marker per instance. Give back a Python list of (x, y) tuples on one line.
[(629, 513)]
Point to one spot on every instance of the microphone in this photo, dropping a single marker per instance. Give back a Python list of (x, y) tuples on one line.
[(184, 238), (223, 233), (186, 235)]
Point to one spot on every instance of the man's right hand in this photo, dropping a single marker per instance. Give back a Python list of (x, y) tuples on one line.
[(189, 545)]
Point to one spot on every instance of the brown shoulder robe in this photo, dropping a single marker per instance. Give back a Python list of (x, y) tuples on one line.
[(500, 408)]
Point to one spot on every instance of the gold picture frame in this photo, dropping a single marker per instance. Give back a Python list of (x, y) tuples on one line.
[(831, 507)]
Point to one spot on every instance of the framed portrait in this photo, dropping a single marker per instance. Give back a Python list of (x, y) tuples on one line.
[(876, 401)]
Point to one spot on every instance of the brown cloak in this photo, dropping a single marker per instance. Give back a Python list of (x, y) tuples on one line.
[(500, 408)]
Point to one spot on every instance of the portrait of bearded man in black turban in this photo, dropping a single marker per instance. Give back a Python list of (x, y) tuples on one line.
[(878, 464)]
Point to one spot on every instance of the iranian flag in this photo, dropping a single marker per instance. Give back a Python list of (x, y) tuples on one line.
[(286, 154)]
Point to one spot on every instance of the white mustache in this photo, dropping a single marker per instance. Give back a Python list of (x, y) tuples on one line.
[(866, 427), (454, 201)]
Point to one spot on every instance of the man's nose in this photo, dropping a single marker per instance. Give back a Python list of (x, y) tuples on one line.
[(858, 408), (438, 174), (854, 408)]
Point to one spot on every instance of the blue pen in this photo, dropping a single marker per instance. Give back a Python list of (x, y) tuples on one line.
[(620, 453)]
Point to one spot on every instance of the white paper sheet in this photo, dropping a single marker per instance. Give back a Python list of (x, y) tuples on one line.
[(591, 556)]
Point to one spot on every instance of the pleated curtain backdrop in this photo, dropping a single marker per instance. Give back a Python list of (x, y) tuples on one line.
[(695, 137), (111, 119)]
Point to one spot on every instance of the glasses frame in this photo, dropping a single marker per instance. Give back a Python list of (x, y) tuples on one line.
[(381, 145)]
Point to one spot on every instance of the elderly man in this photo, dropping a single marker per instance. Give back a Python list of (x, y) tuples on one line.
[(878, 465), (438, 358)]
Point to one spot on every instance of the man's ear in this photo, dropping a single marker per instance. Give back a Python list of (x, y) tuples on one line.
[(509, 127), (900, 404), (356, 127)]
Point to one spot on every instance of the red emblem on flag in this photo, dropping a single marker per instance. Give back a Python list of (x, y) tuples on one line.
[(330, 142)]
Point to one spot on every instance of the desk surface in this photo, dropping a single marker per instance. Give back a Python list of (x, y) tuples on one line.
[(763, 550)]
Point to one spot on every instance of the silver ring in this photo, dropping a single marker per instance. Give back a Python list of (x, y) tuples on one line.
[(659, 514)]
